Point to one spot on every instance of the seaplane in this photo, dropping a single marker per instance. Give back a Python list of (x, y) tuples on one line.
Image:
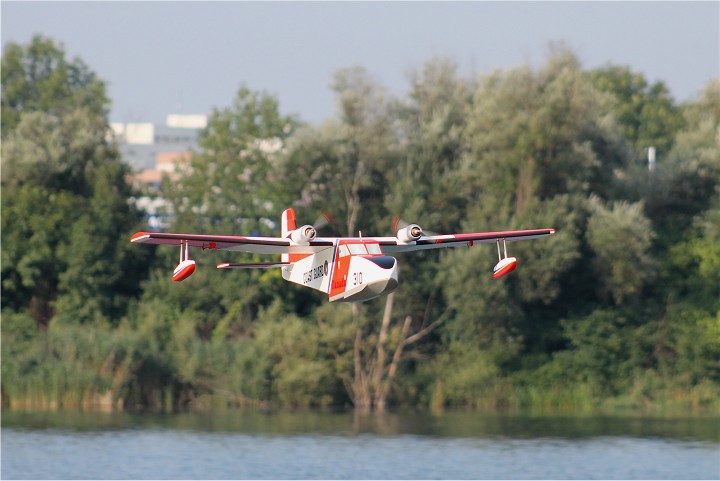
[(347, 269)]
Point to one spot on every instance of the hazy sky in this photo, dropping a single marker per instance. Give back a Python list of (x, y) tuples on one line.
[(189, 57)]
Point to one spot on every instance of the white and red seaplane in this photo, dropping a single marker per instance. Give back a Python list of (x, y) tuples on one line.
[(345, 268)]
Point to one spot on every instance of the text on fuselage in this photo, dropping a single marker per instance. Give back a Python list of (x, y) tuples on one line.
[(315, 273)]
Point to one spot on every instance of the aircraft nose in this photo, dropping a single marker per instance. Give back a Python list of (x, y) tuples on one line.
[(386, 262)]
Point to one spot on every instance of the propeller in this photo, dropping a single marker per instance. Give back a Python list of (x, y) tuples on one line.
[(399, 223), (324, 219)]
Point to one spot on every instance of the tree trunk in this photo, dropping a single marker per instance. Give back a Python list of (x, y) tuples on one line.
[(41, 303), (379, 398), (525, 189), (360, 388), (385, 384)]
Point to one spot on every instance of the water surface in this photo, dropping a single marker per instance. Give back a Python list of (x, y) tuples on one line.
[(316, 445)]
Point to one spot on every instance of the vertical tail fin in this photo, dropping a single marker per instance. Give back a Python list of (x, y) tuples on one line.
[(287, 224)]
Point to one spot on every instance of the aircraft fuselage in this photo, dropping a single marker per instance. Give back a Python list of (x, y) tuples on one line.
[(349, 271)]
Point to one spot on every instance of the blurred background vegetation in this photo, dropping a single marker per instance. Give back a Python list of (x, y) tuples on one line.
[(620, 309)]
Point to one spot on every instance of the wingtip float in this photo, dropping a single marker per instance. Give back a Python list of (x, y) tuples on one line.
[(347, 269)]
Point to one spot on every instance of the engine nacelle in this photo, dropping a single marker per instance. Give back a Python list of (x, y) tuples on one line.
[(303, 235), (409, 234)]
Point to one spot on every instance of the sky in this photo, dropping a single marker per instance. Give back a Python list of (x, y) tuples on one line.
[(160, 58)]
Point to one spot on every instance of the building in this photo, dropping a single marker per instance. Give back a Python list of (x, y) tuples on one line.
[(153, 151)]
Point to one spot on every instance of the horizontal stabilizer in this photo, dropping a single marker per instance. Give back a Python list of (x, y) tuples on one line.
[(252, 265)]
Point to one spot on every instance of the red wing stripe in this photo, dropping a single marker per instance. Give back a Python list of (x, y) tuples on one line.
[(479, 236), (197, 240), (203, 240), (442, 240), (392, 245)]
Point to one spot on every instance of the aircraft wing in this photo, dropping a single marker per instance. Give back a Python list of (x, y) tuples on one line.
[(256, 245), (392, 244), (280, 245)]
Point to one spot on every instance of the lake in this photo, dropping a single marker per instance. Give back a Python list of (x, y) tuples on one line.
[(344, 445)]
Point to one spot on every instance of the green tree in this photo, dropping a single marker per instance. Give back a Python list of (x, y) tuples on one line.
[(426, 184), (534, 135), (520, 312), (357, 165), (646, 113), (230, 186), (34, 225), (607, 350), (66, 220), (538, 143), (690, 277), (684, 182), (39, 77), (78, 219), (343, 163), (620, 238)]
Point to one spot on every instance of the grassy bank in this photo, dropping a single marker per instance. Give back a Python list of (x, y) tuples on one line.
[(103, 369)]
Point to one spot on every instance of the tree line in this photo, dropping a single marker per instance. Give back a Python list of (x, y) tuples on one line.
[(619, 309)]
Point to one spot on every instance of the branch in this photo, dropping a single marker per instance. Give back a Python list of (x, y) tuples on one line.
[(428, 304), (427, 330), (398, 351)]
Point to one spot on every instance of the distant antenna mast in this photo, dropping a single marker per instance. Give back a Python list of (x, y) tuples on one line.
[(651, 158)]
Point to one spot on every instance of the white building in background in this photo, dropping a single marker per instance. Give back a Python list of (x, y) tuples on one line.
[(153, 151), (142, 145)]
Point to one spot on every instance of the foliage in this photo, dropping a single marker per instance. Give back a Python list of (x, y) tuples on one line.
[(688, 177), (538, 134), (228, 183), (620, 238), (64, 194), (646, 114), (342, 163), (39, 78)]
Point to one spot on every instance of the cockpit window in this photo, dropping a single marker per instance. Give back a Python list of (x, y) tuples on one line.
[(344, 250), (374, 248), (357, 248)]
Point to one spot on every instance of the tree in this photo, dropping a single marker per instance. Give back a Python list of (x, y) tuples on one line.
[(230, 186), (685, 181), (356, 164), (425, 184), (64, 194), (646, 114), (35, 225), (538, 134), (538, 143), (620, 238), (39, 77), (343, 163), (365, 128), (519, 313)]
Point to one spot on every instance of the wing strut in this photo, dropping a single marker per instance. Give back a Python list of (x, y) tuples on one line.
[(504, 248)]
